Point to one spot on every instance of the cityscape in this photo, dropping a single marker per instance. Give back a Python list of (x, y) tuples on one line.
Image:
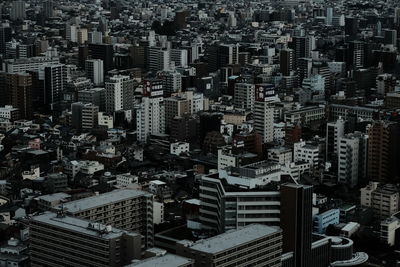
[(199, 133)]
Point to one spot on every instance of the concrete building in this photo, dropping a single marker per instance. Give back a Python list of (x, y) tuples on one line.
[(54, 77), (244, 96), (10, 113), (244, 198), (175, 106), (150, 113), (95, 96), (128, 209), (383, 199), (352, 158), (164, 260), (95, 71), (119, 93), (305, 152), (179, 148), (280, 155), (323, 220), (264, 120), (255, 245), (89, 116), (389, 230), (159, 59), (69, 241), (18, 11)]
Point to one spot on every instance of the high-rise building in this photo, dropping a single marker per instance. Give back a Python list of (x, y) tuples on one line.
[(71, 32), (57, 239), (16, 90), (302, 46), (172, 82), (244, 96), (220, 56), (352, 156), (104, 52), (179, 57), (159, 59), (334, 131), (329, 15), (95, 96), (264, 112), (383, 152), (55, 82), (150, 113), (95, 37), (286, 61), (127, 209), (253, 245), (95, 71), (175, 106), (18, 10), (48, 9), (247, 189), (89, 116), (351, 26), (28, 64), (5, 36), (296, 222), (390, 36), (119, 93)]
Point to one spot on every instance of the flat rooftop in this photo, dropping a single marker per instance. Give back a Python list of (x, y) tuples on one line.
[(54, 197), (163, 261), (102, 199), (234, 238), (78, 225)]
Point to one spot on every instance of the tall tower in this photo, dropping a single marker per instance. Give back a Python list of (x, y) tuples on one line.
[(18, 10), (296, 222), (264, 112), (286, 61), (95, 71), (55, 82)]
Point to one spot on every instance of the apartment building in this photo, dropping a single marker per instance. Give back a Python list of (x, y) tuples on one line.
[(127, 209), (60, 240), (253, 245)]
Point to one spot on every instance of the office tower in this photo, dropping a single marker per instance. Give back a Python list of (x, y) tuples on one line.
[(184, 129), (16, 90), (76, 115), (119, 93), (180, 18), (5, 36), (82, 35), (356, 57), (396, 15), (296, 222), (95, 71), (383, 152), (244, 96), (264, 112), (89, 116), (48, 9), (71, 33), (131, 210), (329, 15), (150, 113), (179, 57), (159, 59), (175, 106), (57, 239), (55, 82), (390, 36), (18, 10), (253, 245), (351, 26), (172, 82), (222, 55), (304, 68), (257, 202), (104, 52), (352, 159), (95, 96), (302, 46), (334, 131), (286, 61), (95, 37), (139, 55)]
